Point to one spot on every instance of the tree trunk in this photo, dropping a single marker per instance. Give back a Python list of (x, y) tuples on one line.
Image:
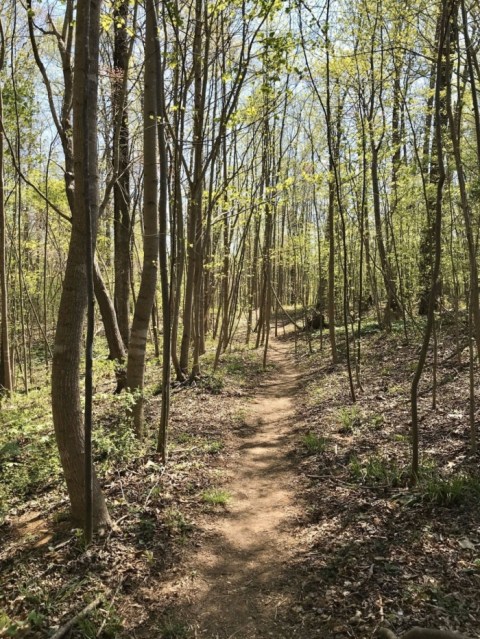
[(194, 229), (430, 168), (112, 328), (121, 190), (63, 125), (440, 121), (163, 257), (66, 401), (146, 295), (6, 381)]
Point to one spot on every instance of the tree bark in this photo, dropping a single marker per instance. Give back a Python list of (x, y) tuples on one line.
[(6, 381), (121, 190), (115, 343), (193, 298), (66, 401), (440, 121), (162, 445), (146, 295)]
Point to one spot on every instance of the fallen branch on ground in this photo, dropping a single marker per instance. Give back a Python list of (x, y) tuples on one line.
[(62, 631)]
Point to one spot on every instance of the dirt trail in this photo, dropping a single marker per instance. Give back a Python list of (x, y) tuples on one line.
[(241, 586)]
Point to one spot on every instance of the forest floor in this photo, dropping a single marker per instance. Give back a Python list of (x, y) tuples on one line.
[(243, 584), (284, 510)]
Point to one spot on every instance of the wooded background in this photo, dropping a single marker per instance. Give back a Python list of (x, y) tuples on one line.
[(227, 163)]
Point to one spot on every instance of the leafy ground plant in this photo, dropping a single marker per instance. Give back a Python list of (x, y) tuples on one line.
[(171, 628), (377, 470), (314, 443), (451, 491), (349, 418), (216, 497)]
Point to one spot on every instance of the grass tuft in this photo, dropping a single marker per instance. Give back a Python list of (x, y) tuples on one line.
[(451, 491), (377, 470), (213, 447), (350, 418), (216, 497), (314, 444), (172, 629)]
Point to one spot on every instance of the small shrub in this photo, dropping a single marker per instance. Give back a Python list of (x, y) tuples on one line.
[(398, 326), (240, 417), (116, 444), (395, 389), (175, 520), (6, 624), (350, 418), (242, 364), (35, 619), (314, 444), (451, 491), (368, 328), (356, 469), (214, 384), (146, 529), (216, 497), (12, 628), (382, 471), (376, 421), (172, 629), (377, 470), (235, 365), (213, 447)]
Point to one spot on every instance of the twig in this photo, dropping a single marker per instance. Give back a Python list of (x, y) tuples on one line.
[(120, 583), (62, 631), (236, 632)]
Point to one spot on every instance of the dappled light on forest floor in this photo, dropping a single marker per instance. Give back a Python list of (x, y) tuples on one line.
[(284, 512), (379, 552), (240, 581)]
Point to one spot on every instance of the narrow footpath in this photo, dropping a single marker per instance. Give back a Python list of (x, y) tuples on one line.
[(242, 587)]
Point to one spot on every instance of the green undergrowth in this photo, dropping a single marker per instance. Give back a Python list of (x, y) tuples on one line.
[(14, 628), (28, 455), (377, 470), (314, 443), (172, 628), (29, 460), (350, 418), (216, 497), (186, 442), (238, 366), (368, 327), (42, 600), (108, 619), (450, 491), (432, 486)]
